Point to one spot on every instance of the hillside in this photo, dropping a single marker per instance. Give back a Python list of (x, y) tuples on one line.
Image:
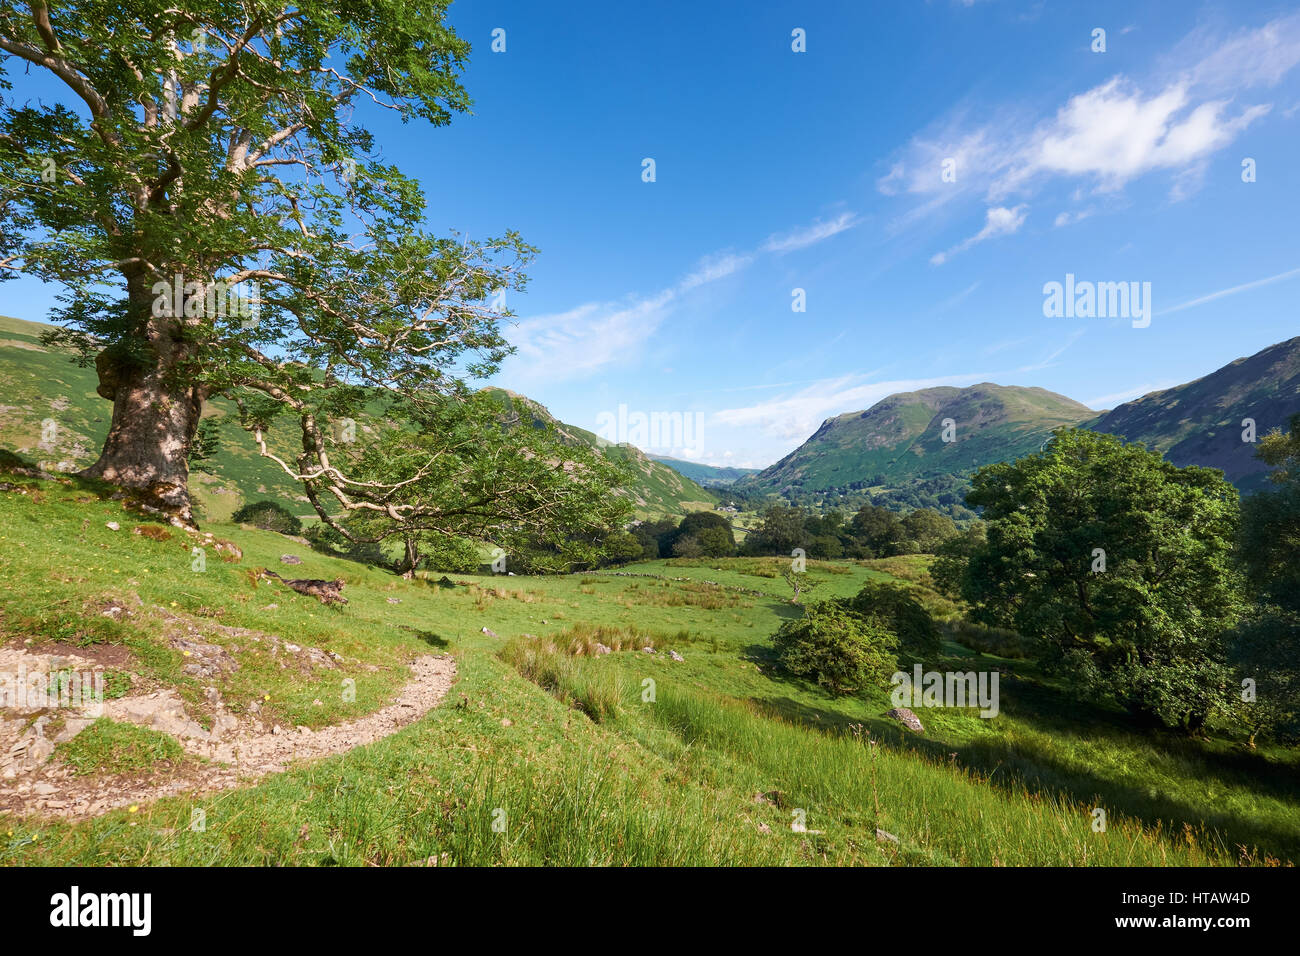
[(657, 490), (709, 476), (541, 723), (1199, 423), (39, 384), (900, 438)]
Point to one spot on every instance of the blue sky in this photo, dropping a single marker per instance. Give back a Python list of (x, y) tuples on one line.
[(822, 171)]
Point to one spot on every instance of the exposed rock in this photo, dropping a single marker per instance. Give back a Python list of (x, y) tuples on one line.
[(602, 649), (290, 559), (205, 661), (647, 650), (884, 836), (906, 718), (113, 526), (675, 656), (489, 632)]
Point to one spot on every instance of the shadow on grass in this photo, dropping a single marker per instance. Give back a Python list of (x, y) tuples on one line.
[(1019, 763)]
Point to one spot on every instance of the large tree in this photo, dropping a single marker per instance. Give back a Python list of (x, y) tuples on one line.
[(1121, 562), (1266, 649), (203, 189)]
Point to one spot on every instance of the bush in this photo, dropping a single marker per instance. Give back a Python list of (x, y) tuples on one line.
[(838, 649), (269, 516), (895, 608)]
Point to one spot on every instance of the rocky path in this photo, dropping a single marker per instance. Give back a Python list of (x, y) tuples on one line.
[(237, 752)]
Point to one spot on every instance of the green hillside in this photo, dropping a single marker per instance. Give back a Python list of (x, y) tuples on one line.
[(38, 384), (710, 476), (1200, 423), (900, 438), (540, 722)]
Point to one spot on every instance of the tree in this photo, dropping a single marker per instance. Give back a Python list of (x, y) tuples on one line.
[(878, 529), (269, 516), (839, 650), (687, 546), (1121, 562), (1266, 648), (621, 548), (926, 530), (894, 607), (222, 224), (1270, 526), (466, 468), (799, 583), (655, 538), (711, 532), (781, 532)]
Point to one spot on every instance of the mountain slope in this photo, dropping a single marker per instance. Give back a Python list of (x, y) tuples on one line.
[(38, 384), (1200, 422), (710, 476), (900, 438)]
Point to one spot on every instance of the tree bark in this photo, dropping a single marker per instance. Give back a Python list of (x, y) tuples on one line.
[(410, 561), (156, 409)]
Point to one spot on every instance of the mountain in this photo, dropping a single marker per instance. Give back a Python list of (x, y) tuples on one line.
[(1200, 423), (657, 488), (710, 476), (39, 384), (901, 438)]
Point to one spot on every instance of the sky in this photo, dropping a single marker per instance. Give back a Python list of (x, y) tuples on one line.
[(913, 177)]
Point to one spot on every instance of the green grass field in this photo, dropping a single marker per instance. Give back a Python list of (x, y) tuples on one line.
[(565, 753)]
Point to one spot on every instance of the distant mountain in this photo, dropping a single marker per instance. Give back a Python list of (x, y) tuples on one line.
[(710, 476), (39, 384), (1200, 423), (901, 438), (657, 490)]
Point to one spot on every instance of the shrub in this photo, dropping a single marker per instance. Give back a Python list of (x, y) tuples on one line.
[(838, 649), (900, 613), (269, 516)]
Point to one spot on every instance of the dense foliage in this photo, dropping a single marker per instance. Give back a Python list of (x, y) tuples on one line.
[(1121, 563), (842, 651)]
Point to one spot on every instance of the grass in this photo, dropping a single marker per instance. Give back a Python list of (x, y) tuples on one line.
[(107, 747), (618, 758)]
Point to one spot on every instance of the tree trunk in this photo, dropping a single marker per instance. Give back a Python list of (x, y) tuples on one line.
[(411, 560), (156, 408)]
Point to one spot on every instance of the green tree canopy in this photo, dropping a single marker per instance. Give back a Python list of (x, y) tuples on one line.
[(222, 223), (1121, 562)]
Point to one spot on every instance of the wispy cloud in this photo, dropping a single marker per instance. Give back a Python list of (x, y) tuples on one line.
[(1224, 293), (1119, 398), (998, 221), (797, 415), (595, 335), (1171, 120), (809, 235)]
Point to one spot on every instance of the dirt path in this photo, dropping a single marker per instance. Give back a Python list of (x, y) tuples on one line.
[(241, 753)]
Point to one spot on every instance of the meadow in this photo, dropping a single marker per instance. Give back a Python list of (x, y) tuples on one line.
[(547, 751)]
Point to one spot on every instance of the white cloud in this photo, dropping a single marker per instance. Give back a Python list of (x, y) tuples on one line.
[(578, 342), (581, 340), (998, 221), (796, 416), (1222, 293), (713, 269), (1119, 398), (1113, 134), (809, 235), (1172, 120)]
